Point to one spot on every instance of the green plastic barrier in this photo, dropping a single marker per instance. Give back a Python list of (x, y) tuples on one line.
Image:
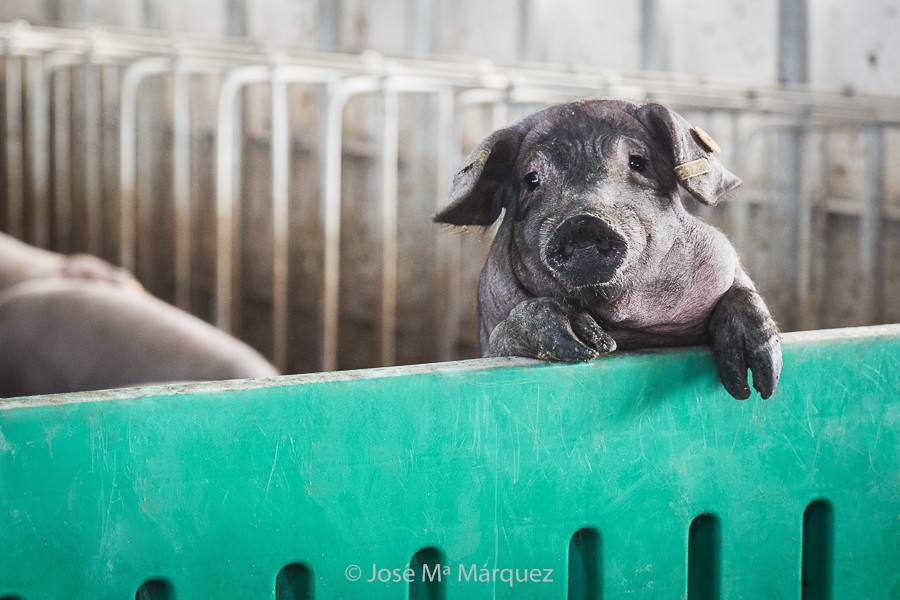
[(631, 476)]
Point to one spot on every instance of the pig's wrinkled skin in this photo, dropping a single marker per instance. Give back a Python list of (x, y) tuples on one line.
[(597, 252), (67, 335)]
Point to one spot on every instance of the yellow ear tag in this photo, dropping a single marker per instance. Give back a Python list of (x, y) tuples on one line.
[(706, 140)]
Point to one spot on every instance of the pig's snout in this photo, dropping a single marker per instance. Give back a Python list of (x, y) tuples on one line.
[(586, 250)]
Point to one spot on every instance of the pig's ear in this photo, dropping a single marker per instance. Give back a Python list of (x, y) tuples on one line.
[(697, 168), (482, 187)]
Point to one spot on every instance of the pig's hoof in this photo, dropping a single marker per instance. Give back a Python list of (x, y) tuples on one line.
[(744, 336), (549, 330)]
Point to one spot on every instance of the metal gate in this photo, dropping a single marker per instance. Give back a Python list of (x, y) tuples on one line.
[(287, 197)]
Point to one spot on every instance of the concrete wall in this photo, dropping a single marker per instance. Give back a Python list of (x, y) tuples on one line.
[(852, 45)]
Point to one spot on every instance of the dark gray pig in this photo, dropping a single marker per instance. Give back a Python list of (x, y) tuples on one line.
[(597, 252), (59, 334)]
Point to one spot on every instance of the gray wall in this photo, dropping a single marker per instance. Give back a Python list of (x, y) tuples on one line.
[(852, 45)]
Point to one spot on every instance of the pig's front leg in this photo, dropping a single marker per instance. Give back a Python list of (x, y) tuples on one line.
[(550, 330), (744, 336)]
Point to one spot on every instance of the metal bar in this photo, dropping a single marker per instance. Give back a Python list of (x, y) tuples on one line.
[(62, 165), (818, 258), (226, 160), (787, 214), (390, 130), (280, 217), (15, 213), (738, 207), (181, 182), (450, 249), (90, 103), (870, 224), (446, 149), (338, 93), (131, 81), (58, 106), (803, 276), (793, 213), (578, 80), (331, 219), (39, 120), (228, 166)]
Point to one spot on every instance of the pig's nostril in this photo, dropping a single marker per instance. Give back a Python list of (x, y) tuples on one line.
[(586, 249)]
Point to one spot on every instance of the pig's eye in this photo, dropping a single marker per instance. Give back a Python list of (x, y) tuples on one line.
[(533, 181), (637, 163)]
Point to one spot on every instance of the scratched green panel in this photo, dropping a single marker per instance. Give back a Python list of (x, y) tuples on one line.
[(216, 488)]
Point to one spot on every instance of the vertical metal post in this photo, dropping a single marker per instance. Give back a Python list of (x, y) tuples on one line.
[(127, 173), (14, 145), (819, 234), (90, 102), (390, 124), (128, 133), (330, 131), (281, 152), (338, 92), (791, 226), (418, 142), (805, 317), (331, 218), (737, 208), (447, 151), (39, 119), (870, 224), (793, 209), (181, 182), (225, 200), (62, 166)]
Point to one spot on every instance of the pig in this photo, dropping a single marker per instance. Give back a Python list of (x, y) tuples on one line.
[(596, 251), (60, 334), (20, 262)]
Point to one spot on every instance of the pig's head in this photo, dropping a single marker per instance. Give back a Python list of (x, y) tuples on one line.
[(590, 190)]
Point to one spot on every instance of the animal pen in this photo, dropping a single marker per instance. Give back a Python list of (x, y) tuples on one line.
[(286, 197)]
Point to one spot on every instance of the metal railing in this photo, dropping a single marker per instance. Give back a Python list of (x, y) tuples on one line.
[(100, 124)]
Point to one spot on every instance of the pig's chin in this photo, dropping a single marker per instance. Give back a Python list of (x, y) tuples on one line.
[(580, 282)]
